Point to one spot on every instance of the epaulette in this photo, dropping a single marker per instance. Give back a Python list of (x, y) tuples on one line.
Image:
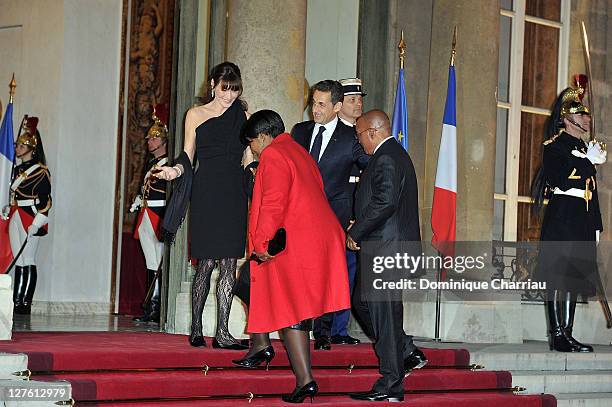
[(550, 140)]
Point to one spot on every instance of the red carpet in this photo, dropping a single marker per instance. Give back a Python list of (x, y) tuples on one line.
[(67, 355)]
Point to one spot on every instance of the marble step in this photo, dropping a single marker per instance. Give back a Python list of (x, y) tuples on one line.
[(563, 382), (537, 357), (32, 393), (10, 363), (584, 400), (6, 306)]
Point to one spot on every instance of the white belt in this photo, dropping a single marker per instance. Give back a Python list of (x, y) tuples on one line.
[(28, 202), (353, 179), (578, 193), (154, 203)]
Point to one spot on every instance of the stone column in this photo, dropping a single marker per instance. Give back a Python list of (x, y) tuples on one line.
[(476, 72), (183, 85), (267, 39), (378, 67), (598, 22)]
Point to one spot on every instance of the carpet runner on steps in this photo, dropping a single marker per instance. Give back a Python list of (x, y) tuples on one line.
[(89, 359), (108, 386), (114, 350), (486, 399)]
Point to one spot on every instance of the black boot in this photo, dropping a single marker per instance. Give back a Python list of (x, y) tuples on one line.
[(18, 290), (558, 337), (569, 310), (30, 276), (151, 313)]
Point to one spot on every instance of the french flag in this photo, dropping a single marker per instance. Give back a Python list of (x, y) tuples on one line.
[(7, 156), (444, 206)]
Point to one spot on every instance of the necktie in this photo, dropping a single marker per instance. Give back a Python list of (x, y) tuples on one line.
[(315, 150)]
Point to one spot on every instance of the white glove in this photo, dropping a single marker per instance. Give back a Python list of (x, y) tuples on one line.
[(32, 230), (39, 221), (136, 204), (5, 212), (595, 153)]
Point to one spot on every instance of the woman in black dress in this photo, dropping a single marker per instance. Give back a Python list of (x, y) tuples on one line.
[(568, 258), (218, 202)]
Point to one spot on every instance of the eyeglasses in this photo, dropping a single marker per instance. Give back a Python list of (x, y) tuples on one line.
[(368, 129), (359, 133)]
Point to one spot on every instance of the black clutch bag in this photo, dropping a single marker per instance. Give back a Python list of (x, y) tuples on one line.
[(275, 245)]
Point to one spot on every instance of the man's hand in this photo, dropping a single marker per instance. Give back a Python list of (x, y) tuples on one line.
[(263, 256), (136, 204), (596, 153), (351, 244)]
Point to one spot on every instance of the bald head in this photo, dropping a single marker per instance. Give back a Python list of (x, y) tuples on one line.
[(376, 119), (372, 128)]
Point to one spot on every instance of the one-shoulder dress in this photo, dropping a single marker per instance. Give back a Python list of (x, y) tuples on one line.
[(218, 201)]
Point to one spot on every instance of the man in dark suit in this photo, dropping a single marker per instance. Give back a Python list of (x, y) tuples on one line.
[(386, 212), (332, 144)]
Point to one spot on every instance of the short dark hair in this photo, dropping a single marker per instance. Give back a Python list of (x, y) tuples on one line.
[(328, 85), (263, 121)]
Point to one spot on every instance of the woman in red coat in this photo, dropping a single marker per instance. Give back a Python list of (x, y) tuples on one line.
[(308, 278)]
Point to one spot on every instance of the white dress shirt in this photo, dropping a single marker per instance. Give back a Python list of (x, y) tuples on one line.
[(346, 122), (381, 143), (327, 134)]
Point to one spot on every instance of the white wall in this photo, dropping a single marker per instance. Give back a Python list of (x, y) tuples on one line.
[(69, 77)]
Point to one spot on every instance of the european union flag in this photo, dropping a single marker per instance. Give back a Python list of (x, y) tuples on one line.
[(399, 127)]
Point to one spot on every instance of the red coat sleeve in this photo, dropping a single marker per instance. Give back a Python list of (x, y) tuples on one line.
[(270, 197)]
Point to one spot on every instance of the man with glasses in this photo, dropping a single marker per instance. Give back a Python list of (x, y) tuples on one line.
[(386, 213)]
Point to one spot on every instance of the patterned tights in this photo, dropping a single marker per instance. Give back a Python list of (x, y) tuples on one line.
[(199, 293)]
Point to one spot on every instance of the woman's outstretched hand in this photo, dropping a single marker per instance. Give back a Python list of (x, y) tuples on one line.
[(167, 173)]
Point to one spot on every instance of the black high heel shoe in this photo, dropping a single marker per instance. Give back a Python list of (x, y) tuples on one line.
[(299, 394), (197, 341), (265, 355), (242, 345)]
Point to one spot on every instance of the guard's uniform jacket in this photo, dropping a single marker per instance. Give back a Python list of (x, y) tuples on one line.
[(572, 217), (153, 196), (31, 193)]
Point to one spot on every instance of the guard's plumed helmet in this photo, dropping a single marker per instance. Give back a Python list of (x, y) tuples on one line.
[(572, 102), (160, 122), (28, 132)]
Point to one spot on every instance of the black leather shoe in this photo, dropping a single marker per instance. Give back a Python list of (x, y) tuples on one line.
[(376, 396), (344, 340), (299, 394), (265, 355), (197, 341), (415, 360), (578, 346), (242, 345), (322, 343), (559, 341)]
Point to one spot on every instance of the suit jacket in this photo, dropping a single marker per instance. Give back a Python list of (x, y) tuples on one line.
[(386, 201), (335, 165)]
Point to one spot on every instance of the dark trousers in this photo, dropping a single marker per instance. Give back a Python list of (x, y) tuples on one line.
[(382, 321), (341, 318)]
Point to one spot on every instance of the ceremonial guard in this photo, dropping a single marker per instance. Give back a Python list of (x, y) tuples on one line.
[(30, 201), (152, 205), (572, 222)]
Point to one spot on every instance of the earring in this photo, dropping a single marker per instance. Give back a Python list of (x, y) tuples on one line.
[(212, 93)]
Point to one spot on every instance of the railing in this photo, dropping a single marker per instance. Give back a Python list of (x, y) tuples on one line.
[(516, 261)]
